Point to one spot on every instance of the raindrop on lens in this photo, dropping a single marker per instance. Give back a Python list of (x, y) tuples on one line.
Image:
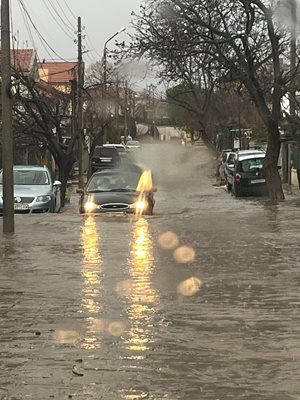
[(189, 287), (168, 240), (184, 255)]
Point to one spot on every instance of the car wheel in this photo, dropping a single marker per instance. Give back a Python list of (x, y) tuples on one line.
[(237, 191), (53, 207), (229, 186)]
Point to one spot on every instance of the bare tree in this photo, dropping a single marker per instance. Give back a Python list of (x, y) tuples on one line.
[(234, 41), (41, 112)]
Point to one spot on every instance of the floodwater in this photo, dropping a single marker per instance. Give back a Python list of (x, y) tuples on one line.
[(198, 302)]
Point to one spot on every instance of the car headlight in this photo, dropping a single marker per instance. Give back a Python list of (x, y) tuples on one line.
[(139, 205), (43, 199), (89, 206)]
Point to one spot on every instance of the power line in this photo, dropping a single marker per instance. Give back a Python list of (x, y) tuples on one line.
[(72, 26), (38, 32), (69, 9), (60, 17), (57, 22)]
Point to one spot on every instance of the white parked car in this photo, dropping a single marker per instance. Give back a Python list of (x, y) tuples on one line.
[(133, 145), (34, 190)]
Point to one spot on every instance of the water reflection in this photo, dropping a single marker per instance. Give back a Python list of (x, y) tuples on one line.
[(91, 273), (141, 294)]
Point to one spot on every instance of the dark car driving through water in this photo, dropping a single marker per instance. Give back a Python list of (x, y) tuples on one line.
[(126, 190)]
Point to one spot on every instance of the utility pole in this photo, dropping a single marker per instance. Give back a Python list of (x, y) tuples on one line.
[(126, 111), (7, 134), (293, 51), (117, 107), (80, 107)]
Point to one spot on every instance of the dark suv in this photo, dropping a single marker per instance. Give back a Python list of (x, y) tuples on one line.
[(247, 175), (105, 157)]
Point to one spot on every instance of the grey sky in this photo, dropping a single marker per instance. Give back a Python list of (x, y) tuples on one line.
[(101, 18)]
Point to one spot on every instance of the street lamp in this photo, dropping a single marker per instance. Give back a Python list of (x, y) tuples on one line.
[(105, 71), (105, 56)]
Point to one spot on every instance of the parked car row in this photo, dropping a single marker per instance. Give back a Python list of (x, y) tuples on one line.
[(243, 172)]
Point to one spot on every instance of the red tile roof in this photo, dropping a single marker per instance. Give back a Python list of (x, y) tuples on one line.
[(22, 59), (58, 73)]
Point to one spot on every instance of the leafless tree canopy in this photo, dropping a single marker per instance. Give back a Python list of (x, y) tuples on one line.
[(212, 42)]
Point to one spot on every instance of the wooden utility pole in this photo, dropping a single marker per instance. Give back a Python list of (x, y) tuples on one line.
[(7, 134), (80, 107), (126, 111), (117, 107), (293, 51)]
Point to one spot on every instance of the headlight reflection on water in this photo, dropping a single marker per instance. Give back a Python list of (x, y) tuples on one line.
[(91, 273), (139, 291)]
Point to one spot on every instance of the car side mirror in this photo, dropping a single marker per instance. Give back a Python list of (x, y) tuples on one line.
[(57, 183), (79, 191)]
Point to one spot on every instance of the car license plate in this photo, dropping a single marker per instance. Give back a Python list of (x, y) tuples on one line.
[(21, 206), (258, 181), (105, 159)]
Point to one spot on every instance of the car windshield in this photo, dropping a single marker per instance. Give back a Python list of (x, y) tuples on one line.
[(105, 152), (114, 181), (252, 165), (120, 149), (29, 177)]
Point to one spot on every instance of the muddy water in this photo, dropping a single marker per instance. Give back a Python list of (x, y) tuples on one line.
[(200, 301)]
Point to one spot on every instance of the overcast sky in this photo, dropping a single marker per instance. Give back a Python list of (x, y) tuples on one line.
[(101, 18), (56, 22)]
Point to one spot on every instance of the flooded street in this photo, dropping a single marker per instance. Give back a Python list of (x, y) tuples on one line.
[(200, 301)]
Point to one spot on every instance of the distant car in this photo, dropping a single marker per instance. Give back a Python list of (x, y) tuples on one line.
[(121, 149), (105, 157), (34, 190), (231, 159), (133, 145), (117, 191), (247, 175)]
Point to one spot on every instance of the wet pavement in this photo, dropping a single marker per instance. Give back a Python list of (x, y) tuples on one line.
[(198, 302)]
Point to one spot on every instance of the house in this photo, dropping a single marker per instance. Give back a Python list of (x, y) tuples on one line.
[(58, 74)]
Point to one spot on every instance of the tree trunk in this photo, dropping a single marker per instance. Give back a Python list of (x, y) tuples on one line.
[(273, 179), (64, 170)]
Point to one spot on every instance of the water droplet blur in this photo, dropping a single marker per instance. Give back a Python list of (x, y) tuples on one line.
[(168, 240), (116, 328), (124, 288), (185, 255), (189, 287), (66, 336)]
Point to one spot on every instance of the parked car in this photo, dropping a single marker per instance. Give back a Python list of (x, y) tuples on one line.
[(34, 190), (105, 157), (232, 158), (133, 145), (246, 175), (117, 190), (121, 149)]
